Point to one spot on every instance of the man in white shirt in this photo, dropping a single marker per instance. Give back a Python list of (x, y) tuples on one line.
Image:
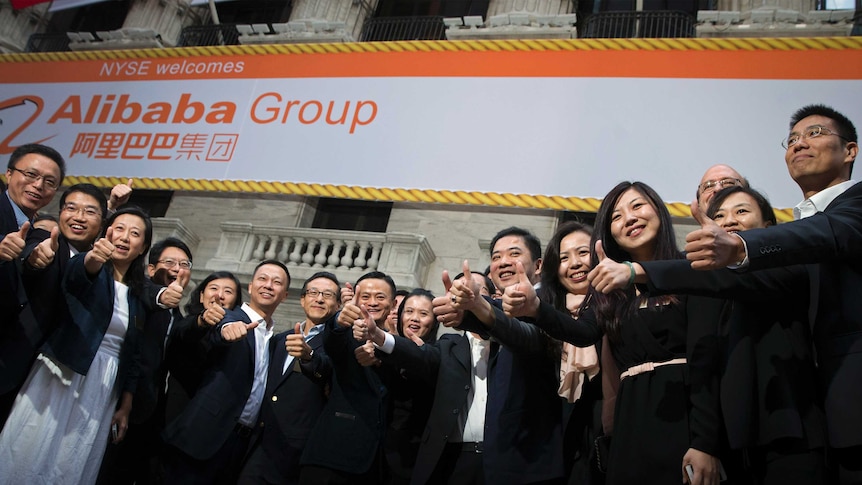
[(210, 438), (820, 151)]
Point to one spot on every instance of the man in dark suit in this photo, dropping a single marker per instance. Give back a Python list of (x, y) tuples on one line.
[(820, 152), (296, 388), (210, 438), (496, 416), (345, 446), (137, 459), (33, 175)]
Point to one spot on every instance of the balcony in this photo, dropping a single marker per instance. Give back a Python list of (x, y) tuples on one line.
[(638, 24), (56, 42), (403, 28), (209, 35), (349, 254)]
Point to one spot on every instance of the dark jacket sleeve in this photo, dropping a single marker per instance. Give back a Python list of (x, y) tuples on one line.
[(703, 356), (677, 277)]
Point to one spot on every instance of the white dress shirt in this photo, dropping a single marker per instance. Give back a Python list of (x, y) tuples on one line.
[(262, 334)]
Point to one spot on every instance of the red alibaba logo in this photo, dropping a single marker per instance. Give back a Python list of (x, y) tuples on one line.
[(36, 102)]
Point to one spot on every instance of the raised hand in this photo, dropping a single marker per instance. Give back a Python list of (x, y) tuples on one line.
[(101, 253), (366, 329), (212, 314), (351, 311), (174, 292), (365, 355), (412, 336), (609, 275), (120, 195), (711, 247), (347, 293), (12, 245), (296, 345), (520, 300), (43, 253), (464, 292), (233, 331), (443, 306)]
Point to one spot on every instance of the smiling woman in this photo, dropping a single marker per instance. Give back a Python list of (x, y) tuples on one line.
[(85, 366)]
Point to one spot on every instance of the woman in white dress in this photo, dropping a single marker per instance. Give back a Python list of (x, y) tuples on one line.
[(68, 407)]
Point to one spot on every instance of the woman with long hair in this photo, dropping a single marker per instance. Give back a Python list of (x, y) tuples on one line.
[(411, 398), (564, 286), (68, 408), (666, 420)]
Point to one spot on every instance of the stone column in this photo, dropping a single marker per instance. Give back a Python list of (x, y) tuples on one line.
[(166, 17), (352, 13)]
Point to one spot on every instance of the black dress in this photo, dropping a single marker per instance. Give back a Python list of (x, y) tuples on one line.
[(660, 414)]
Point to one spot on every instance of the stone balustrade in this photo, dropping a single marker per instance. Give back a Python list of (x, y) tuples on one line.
[(772, 21), (348, 254)]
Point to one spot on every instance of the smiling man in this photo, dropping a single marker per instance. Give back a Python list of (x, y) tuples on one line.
[(358, 403), (211, 436), (819, 152), (45, 255), (296, 388)]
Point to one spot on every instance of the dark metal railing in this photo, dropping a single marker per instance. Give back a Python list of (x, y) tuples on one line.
[(207, 35), (403, 28), (633, 24), (56, 42)]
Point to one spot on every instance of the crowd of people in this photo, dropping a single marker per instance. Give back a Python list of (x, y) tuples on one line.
[(612, 358)]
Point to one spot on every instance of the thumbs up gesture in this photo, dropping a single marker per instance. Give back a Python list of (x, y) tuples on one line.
[(234, 331), (366, 329), (347, 293), (711, 247), (43, 253), (120, 195), (101, 253), (520, 299), (443, 306), (296, 345), (174, 292), (212, 314), (12, 245), (465, 291), (351, 311), (609, 275), (413, 337)]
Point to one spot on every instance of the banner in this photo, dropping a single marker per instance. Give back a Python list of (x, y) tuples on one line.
[(550, 118)]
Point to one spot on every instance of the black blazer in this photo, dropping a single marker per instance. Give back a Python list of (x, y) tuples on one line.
[(523, 430), (768, 385), (291, 406), (17, 339), (211, 415), (349, 432), (154, 369), (833, 239), (91, 304)]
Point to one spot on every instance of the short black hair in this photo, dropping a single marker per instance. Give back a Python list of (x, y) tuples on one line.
[(38, 149), (530, 239), (766, 210), (431, 336), (845, 127), (194, 306), (379, 275), (92, 191), (842, 123), (169, 242), (276, 263), (318, 275)]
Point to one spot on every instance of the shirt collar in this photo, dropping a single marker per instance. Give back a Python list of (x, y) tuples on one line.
[(821, 200), (20, 217), (254, 316)]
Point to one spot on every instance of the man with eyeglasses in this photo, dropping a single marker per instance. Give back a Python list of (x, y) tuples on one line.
[(32, 176), (715, 178), (819, 152), (137, 459), (296, 387)]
